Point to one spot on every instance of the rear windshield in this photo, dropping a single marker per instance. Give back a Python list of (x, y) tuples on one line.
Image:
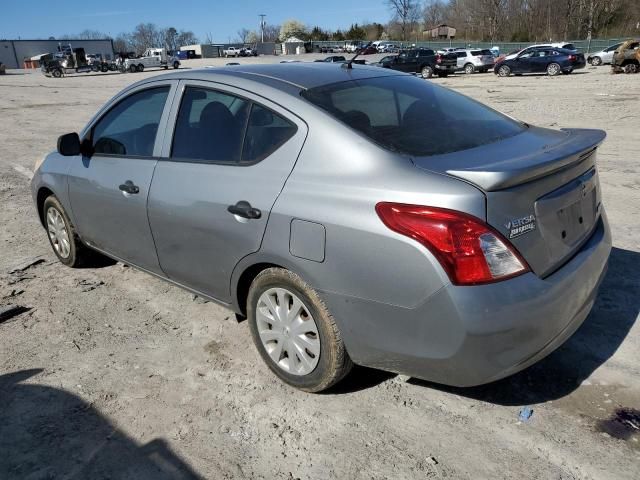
[(409, 115), (477, 53)]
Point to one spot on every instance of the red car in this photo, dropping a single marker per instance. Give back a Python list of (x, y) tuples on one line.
[(368, 50)]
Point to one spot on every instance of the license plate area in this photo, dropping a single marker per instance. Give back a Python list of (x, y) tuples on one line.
[(567, 215)]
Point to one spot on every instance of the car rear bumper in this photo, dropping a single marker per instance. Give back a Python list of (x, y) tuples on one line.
[(465, 336)]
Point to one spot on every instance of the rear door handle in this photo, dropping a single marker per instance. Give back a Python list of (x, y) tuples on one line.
[(245, 210), (129, 187)]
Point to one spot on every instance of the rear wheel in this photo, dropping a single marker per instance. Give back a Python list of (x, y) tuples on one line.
[(132, 69), (294, 332), (504, 71), (469, 68), (596, 61), (57, 73), (176, 65), (427, 72), (140, 67), (553, 69), (104, 68)]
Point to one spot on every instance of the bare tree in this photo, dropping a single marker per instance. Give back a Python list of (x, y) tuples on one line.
[(406, 12), (433, 13), (271, 33), (243, 34)]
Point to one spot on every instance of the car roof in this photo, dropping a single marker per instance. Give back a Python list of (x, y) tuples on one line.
[(304, 75)]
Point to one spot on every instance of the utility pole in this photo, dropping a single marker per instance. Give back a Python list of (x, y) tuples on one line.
[(262, 15)]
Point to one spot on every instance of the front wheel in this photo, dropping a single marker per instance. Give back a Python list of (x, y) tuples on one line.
[(57, 73), (469, 69), (176, 65), (427, 72), (596, 61), (104, 68), (140, 67), (294, 332), (504, 71), (133, 69), (553, 69), (62, 237)]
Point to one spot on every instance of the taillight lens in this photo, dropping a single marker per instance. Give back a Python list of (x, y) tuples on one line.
[(469, 250), (438, 58), (572, 58)]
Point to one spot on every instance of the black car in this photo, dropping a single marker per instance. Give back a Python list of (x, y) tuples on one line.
[(550, 60), (333, 59), (423, 61)]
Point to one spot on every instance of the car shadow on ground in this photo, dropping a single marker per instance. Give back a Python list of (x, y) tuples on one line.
[(614, 313), (47, 432)]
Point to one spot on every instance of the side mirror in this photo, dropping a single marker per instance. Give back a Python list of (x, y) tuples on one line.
[(69, 145)]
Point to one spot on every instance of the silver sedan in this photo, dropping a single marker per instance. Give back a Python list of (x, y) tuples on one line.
[(353, 215)]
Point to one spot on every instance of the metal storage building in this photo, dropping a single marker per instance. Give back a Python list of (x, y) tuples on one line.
[(13, 53)]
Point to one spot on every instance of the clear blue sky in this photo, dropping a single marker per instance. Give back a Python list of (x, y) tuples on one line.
[(44, 18)]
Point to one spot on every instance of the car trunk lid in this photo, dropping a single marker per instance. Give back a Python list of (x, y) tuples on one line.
[(541, 188)]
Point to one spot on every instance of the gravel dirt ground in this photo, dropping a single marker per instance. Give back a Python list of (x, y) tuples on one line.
[(110, 373)]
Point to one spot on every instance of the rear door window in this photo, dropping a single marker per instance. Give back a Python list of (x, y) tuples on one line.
[(266, 132), (130, 128), (210, 126)]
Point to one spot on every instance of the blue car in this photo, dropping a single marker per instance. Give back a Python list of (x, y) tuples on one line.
[(549, 60)]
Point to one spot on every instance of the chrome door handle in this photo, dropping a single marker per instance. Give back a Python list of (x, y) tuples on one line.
[(245, 210), (129, 187)]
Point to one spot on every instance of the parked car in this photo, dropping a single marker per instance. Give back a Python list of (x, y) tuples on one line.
[(384, 60), (626, 58), (249, 52), (431, 236), (476, 60), (387, 48), (368, 50), (423, 61), (232, 52), (563, 45), (333, 59), (551, 60), (604, 56)]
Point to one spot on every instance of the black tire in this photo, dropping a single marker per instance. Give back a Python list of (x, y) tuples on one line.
[(426, 71), (333, 363), (79, 254), (57, 73), (596, 61), (133, 69), (140, 67), (504, 71), (469, 68), (104, 68), (553, 69), (176, 65)]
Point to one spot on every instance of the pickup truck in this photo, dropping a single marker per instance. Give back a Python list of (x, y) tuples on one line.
[(232, 52), (152, 58), (423, 61)]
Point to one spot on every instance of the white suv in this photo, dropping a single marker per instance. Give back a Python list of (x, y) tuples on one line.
[(475, 60)]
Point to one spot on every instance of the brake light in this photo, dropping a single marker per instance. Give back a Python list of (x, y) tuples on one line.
[(469, 250), (438, 58), (572, 58)]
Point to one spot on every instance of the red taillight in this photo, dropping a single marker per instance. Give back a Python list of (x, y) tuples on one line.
[(469, 250), (438, 58), (572, 58)]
